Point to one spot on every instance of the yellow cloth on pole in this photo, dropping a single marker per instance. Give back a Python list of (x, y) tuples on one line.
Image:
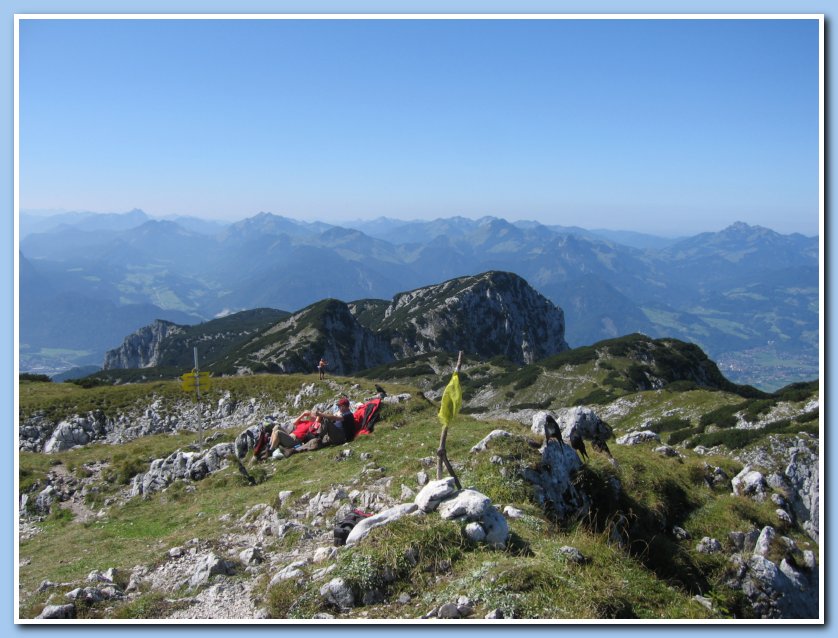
[(452, 399)]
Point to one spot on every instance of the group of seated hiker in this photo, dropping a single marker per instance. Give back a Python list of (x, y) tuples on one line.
[(313, 429)]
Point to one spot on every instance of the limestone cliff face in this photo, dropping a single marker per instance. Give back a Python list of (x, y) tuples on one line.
[(327, 329), (142, 348), (495, 313), (487, 315)]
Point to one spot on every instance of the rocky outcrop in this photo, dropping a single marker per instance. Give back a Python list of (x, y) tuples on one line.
[(749, 482), (58, 612), (580, 418), (182, 465), (552, 478), (496, 313), (142, 348), (553, 481), (483, 522), (326, 329), (637, 438), (801, 476), (788, 590), (791, 469), (364, 527), (78, 430), (40, 434)]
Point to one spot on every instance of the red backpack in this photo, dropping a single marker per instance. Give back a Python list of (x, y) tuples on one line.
[(263, 444), (366, 417)]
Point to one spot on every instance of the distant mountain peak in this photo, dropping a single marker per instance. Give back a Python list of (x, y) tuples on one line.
[(744, 227)]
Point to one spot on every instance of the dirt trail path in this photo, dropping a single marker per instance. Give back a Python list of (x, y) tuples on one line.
[(81, 512)]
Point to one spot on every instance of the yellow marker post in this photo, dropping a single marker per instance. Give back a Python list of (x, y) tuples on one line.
[(452, 400), (197, 381)]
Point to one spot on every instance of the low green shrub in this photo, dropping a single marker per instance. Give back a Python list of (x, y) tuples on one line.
[(619, 381), (668, 424), (288, 600), (638, 375), (732, 438), (597, 397), (125, 467), (574, 357), (682, 385), (807, 417), (28, 376), (624, 346), (809, 428), (519, 379), (406, 548), (735, 439), (724, 416), (682, 435), (529, 376), (798, 391), (534, 405), (757, 408)]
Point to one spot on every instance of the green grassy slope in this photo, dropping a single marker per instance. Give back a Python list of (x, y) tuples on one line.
[(651, 576)]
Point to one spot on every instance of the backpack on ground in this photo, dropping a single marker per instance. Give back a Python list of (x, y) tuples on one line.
[(263, 444), (347, 524), (366, 417)]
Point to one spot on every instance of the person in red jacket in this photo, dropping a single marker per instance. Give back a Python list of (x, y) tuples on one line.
[(309, 432), (307, 426)]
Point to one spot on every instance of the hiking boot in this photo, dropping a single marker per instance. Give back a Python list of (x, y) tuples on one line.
[(287, 451)]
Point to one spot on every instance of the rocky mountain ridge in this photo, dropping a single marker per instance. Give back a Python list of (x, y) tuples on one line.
[(166, 344), (492, 314)]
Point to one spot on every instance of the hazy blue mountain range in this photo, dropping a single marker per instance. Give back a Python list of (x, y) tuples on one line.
[(747, 295)]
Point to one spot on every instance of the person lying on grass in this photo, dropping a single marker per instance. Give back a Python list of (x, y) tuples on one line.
[(306, 428), (309, 432)]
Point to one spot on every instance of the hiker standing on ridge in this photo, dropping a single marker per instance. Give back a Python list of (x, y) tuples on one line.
[(321, 367)]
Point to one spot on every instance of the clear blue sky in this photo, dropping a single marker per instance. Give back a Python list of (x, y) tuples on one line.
[(669, 126)]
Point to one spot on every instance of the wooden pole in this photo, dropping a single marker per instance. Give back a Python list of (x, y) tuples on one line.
[(198, 392), (441, 453)]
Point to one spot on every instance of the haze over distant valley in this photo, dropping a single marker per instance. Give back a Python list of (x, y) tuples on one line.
[(745, 294)]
